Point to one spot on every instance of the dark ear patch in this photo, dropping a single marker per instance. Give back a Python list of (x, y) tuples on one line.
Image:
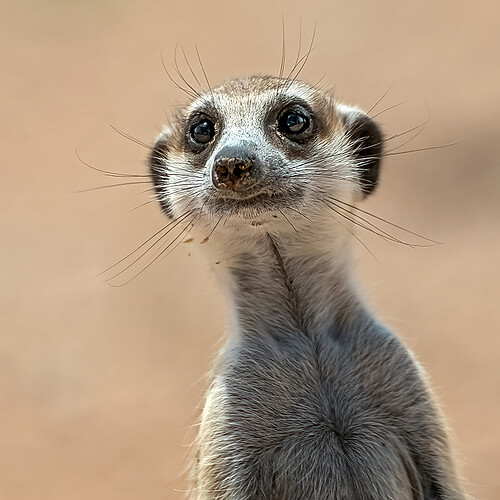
[(367, 142), (158, 169)]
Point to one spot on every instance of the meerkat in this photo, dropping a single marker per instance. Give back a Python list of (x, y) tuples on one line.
[(312, 397)]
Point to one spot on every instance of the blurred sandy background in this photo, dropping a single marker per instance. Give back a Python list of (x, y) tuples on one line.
[(99, 385)]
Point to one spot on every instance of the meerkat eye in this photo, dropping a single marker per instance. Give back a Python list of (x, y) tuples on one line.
[(293, 122), (203, 131)]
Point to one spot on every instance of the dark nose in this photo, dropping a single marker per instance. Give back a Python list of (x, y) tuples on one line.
[(232, 168)]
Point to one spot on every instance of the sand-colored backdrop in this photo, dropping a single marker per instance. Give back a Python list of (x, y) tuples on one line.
[(99, 385)]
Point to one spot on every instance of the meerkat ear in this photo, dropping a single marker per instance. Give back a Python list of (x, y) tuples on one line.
[(158, 168), (367, 143)]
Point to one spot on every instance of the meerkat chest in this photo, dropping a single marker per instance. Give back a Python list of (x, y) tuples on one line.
[(267, 411)]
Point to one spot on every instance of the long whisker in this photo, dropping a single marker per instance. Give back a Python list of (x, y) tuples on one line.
[(389, 108), (98, 188), (350, 217), (180, 87), (181, 76), (177, 240), (155, 258), (385, 221), (283, 47), (214, 228), (130, 138), (144, 204), (108, 173), (414, 136), (362, 222), (191, 68), (149, 190), (354, 234), (420, 127), (304, 59), (378, 101), (320, 80), (171, 225), (440, 146), (300, 42), (202, 68)]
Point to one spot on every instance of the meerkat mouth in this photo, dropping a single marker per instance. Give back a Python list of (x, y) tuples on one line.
[(257, 208)]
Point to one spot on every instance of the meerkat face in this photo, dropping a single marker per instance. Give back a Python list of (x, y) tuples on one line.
[(259, 149)]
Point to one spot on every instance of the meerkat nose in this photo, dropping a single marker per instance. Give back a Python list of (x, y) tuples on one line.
[(232, 168)]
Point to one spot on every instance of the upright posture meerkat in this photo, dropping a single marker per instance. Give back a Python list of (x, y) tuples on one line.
[(312, 397)]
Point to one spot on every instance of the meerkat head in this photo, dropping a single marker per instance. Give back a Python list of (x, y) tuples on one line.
[(261, 149)]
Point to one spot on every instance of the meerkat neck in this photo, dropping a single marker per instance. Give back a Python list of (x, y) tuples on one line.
[(293, 286)]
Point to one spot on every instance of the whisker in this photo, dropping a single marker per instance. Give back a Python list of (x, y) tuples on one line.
[(180, 87), (191, 68), (295, 66), (98, 188), (149, 190), (300, 42), (440, 146), (283, 47), (214, 228), (144, 204), (420, 126), (350, 217), (108, 173), (287, 219), (356, 218), (389, 108), (305, 57), (179, 238), (202, 68), (130, 138), (378, 101), (176, 221), (385, 221), (296, 210), (414, 136), (354, 235), (320, 80), (185, 231), (153, 260), (181, 76)]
